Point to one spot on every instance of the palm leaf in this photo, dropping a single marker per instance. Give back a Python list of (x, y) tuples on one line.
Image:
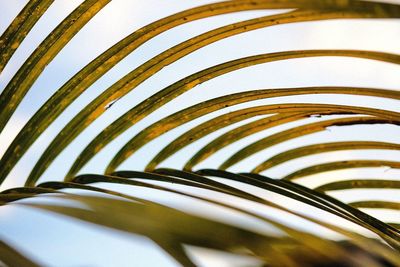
[(11, 257), (11, 39), (25, 77), (277, 203)]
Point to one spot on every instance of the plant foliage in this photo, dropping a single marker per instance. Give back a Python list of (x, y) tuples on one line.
[(173, 229)]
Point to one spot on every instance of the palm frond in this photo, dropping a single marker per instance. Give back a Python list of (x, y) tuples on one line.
[(341, 227)]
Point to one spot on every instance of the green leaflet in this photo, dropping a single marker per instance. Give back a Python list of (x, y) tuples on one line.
[(13, 36), (359, 183), (98, 178), (195, 111), (331, 166), (376, 205), (11, 257), (19, 85), (99, 66), (186, 176), (389, 235), (94, 70), (193, 180), (304, 130), (165, 237), (289, 190), (155, 220), (321, 148), (151, 104), (225, 139), (336, 205)]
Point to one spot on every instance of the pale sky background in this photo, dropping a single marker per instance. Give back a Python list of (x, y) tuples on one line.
[(21, 226)]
